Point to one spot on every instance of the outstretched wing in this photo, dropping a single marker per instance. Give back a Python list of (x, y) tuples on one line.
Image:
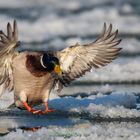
[(76, 60), (8, 44)]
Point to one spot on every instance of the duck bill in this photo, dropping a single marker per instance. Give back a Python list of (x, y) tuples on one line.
[(57, 69)]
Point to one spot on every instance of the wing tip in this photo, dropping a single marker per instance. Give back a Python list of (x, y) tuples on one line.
[(119, 49), (110, 25), (11, 36), (106, 33), (15, 21), (104, 25), (15, 24), (118, 42)]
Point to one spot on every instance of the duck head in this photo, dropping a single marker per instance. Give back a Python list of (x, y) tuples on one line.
[(51, 63)]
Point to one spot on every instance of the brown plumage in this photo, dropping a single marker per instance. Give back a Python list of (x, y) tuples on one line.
[(32, 75)]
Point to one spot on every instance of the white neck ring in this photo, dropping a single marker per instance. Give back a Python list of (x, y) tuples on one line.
[(41, 61)]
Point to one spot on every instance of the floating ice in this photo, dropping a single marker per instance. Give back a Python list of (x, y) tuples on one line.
[(117, 104), (127, 100)]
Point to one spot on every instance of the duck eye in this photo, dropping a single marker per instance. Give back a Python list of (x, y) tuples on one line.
[(53, 62)]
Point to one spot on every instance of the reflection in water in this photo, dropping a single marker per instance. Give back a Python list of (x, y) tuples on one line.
[(35, 122), (33, 129), (5, 131)]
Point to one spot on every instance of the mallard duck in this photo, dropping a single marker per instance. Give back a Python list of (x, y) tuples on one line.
[(32, 75)]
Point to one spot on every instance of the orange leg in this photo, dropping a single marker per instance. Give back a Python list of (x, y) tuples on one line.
[(47, 110), (32, 110)]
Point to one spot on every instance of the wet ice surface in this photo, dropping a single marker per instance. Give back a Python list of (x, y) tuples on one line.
[(105, 103)]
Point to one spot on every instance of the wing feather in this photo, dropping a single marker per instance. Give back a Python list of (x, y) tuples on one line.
[(8, 44), (76, 60), (9, 31)]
